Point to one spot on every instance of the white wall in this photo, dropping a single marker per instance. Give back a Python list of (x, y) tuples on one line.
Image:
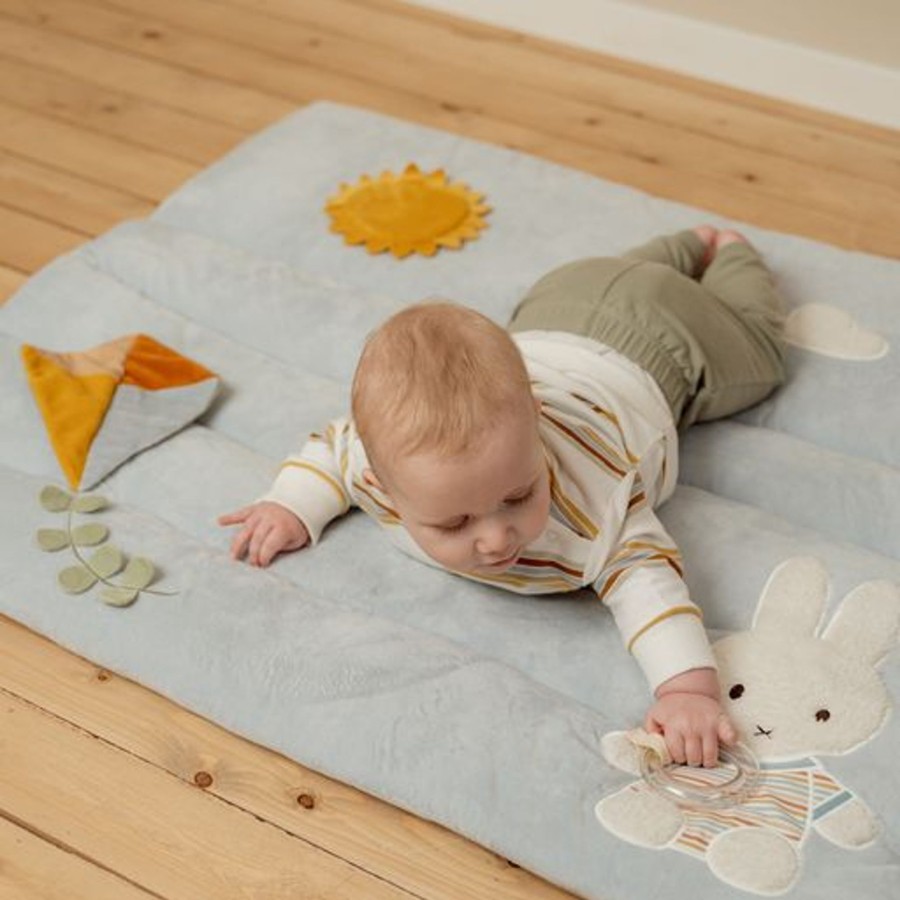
[(842, 56), (864, 30)]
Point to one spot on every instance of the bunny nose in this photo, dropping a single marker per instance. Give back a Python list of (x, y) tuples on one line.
[(761, 732)]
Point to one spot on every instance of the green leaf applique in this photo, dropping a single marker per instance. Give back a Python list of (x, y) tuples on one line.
[(105, 562), (55, 499), (52, 539), (89, 535), (89, 503), (76, 579), (119, 596), (138, 574)]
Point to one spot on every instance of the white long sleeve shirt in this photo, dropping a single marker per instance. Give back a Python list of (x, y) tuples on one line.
[(611, 449)]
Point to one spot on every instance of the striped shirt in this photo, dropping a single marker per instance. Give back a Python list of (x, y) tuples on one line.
[(611, 449)]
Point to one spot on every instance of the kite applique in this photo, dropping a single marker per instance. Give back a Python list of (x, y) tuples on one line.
[(795, 696), (409, 213), (101, 407), (104, 405)]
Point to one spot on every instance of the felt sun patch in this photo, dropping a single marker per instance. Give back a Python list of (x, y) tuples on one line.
[(414, 212)]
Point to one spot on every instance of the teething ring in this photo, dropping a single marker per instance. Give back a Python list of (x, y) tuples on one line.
[(720, 795)]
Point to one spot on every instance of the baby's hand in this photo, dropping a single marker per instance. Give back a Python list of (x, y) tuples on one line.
[(269, 529), (692, 725), (688, 715)]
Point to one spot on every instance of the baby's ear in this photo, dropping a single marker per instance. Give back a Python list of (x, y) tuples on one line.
[(867, 623), (793, 600)]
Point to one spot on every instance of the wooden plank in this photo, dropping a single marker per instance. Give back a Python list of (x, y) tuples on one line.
[(208, 99), (483, 52), (10, 281), (574, 112), (643, 76), (149, 78), (687, 155), (32, 867), (664, 160), (66, 200), (92, 798), (114, 113), (146, 37), (27, 243), (421, 857), (95, 157)]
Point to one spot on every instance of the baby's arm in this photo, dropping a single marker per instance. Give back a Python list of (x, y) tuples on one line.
[(307, 494), (643, 586)]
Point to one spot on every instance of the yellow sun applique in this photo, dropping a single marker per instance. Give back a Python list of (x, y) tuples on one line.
[(409, 213)]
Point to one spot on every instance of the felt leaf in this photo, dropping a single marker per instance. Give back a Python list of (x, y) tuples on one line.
[(107, 561), (76, 579), (55, 499), (51, 539), (88, 503), (89, 535), (138, 573), (119, 596)]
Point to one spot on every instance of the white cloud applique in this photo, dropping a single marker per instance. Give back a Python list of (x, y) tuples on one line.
[(833, 332)]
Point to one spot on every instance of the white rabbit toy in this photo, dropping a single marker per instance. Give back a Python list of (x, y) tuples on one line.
[(792, 694)]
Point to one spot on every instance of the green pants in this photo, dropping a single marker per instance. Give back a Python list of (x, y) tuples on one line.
[(712, 343)]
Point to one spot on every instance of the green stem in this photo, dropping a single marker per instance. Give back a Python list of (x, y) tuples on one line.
[(96, 574)]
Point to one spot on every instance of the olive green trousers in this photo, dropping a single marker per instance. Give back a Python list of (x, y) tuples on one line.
[(710, 338)]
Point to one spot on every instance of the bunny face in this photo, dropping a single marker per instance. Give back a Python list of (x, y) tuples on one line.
[(792, 697), (794, 692)]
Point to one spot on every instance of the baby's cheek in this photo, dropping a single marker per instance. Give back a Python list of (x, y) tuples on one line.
[(537, 521), (452, 556), (443, 551)]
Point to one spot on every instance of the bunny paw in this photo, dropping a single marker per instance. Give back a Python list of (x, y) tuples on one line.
[(850, 826), (640, 817), (754, 859), (623, 749)]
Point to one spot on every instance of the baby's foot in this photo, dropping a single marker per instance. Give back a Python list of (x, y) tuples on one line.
[(724, 238), (708, 235)]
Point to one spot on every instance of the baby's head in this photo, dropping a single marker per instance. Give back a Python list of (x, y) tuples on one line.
[(443, 405)]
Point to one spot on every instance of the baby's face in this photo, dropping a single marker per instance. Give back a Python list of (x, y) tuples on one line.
[(476, 513)]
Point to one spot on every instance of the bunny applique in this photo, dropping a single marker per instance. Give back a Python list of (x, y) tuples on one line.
[(795, 695)]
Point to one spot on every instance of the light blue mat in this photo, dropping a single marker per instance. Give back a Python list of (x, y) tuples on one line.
[(478, 709)]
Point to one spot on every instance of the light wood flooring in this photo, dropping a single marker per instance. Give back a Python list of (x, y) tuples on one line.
[(108, 790)]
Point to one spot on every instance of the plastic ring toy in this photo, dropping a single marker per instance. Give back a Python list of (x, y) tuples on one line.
[(718, 795)]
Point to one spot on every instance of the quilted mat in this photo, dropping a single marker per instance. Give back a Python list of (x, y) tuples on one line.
[(493, 714)]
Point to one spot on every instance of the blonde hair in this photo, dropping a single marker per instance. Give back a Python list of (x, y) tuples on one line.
[(435, 377)]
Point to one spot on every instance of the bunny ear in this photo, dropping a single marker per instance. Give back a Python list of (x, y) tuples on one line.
[(793, 599), (867, 623)]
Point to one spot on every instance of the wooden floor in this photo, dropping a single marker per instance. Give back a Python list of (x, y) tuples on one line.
[(107, 790)]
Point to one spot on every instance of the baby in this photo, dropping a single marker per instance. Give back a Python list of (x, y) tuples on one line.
[(534, 461)]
